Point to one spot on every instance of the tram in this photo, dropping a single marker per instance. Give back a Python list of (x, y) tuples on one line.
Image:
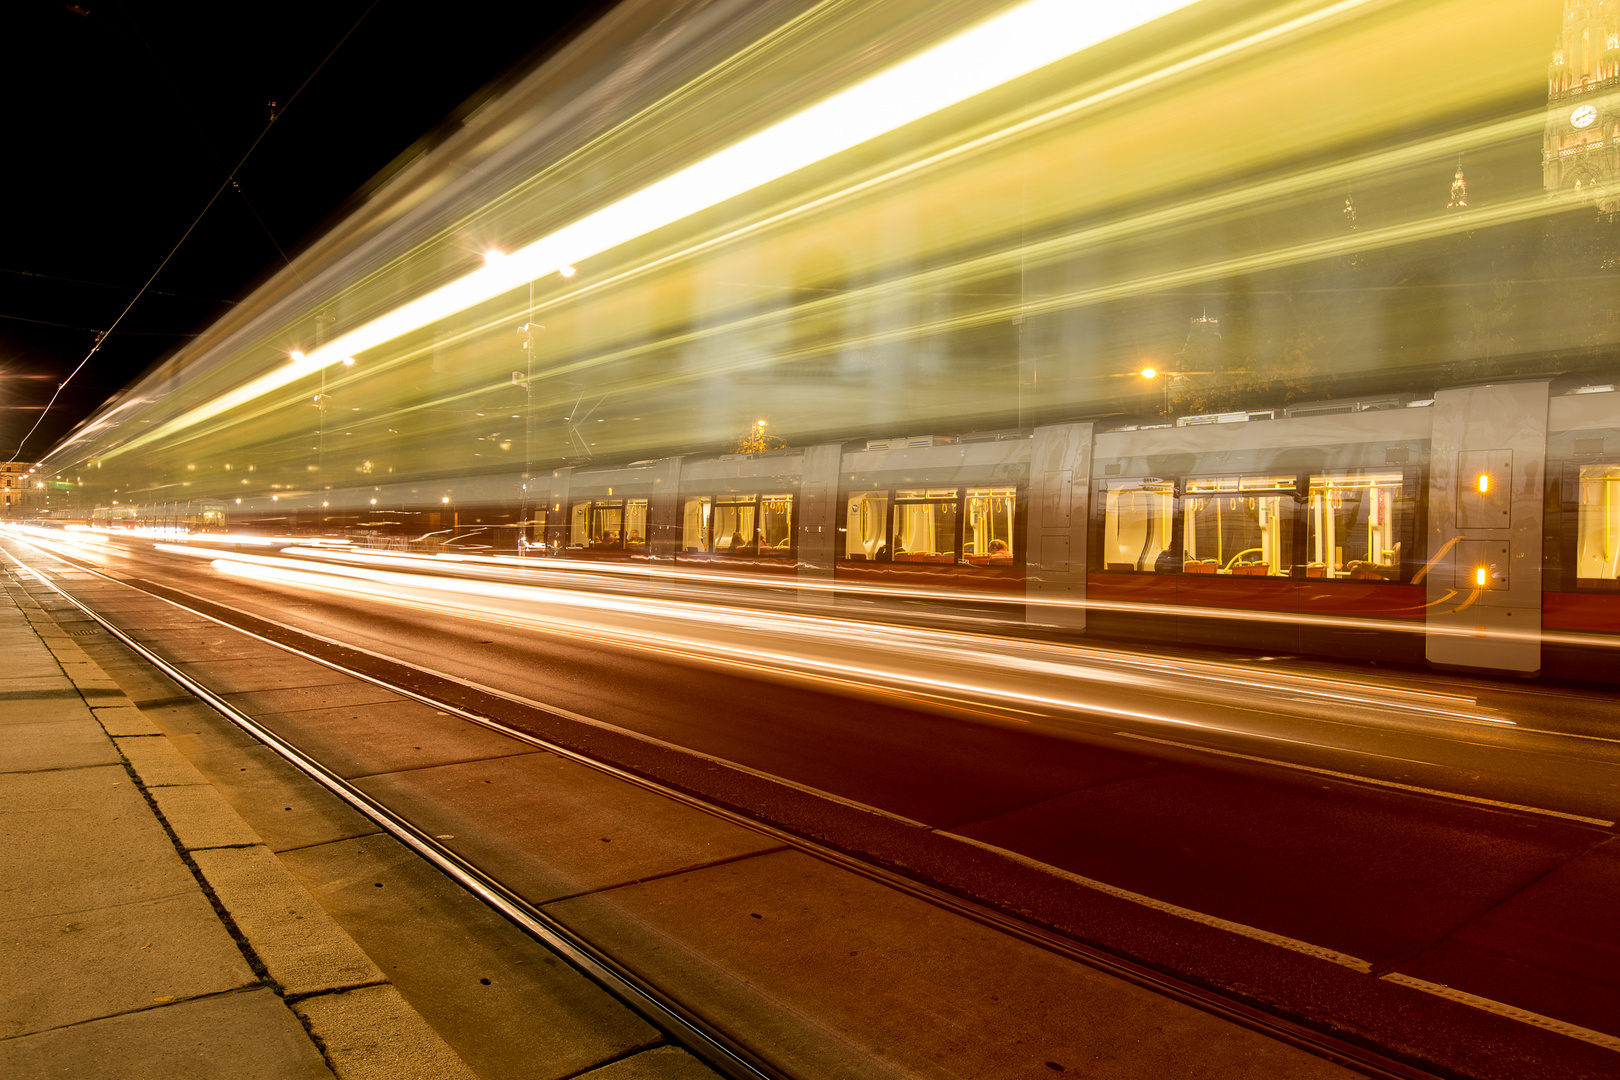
[(1478, 528)]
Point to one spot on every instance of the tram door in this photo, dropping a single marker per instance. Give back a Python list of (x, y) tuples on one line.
[(1487, 468), (1059, 516)]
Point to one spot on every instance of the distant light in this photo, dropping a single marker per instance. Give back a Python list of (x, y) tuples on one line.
[(296, 356), (275, 498), (567, 271), (1484, 483), (761, 423), (325, 503), (348, 361), (373, 501), (238, 502), (1148, 373), (445, 499), (493, 255), (1479, 576)]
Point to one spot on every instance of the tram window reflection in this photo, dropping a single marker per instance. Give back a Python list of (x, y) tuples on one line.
[(1138, 517), (1354, 526), (866, 533), (608, 525), (1597, 538), (987, 534), (1238, 525), (752, 525), (925, 525), (695, 525)]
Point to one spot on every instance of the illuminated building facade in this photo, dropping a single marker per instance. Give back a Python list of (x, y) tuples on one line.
[(1581, 151)]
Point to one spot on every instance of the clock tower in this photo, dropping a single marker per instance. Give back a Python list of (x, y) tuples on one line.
[(1581, 148)]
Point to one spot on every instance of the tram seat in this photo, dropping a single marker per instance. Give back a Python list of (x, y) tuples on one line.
[(1316, 570), (1253, 569), (1200, 566)]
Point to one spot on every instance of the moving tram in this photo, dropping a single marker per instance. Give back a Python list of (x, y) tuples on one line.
[(1476, 529)]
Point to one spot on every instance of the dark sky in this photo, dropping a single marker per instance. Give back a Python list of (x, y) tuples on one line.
[(124, 118)]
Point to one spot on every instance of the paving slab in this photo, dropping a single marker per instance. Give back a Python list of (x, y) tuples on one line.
[(372, 1034), (331, 695), (281, 804), (261, 673), (242, 1036), (55, 744), (201, 818), (358, 740), (302, 948), (157, 762), (195, 644), (39, 707), (503, 1002), (835, 975), (100, 961), (71, 840), (118, 720), (659, 1063), (549, 827)]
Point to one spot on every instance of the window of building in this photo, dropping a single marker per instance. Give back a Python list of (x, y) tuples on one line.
[(1597, 538), (1138, 516), (1240, 525), (1354, 525), (987, 535)]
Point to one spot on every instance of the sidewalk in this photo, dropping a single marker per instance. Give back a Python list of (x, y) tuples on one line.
[(149, 931)]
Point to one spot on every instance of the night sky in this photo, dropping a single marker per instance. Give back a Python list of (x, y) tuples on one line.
[(127, 115)]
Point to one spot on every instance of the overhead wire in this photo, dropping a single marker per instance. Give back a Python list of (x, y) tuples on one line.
[(101, 336)]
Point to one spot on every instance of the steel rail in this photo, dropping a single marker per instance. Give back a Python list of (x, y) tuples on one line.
[(630, 988)]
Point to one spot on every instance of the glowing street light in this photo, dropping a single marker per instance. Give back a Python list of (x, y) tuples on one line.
[(1149, 373)]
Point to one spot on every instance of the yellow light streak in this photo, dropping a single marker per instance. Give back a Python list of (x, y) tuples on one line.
[(1012, 44)]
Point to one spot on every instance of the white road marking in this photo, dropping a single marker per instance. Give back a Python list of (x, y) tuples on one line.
[(1370, 780), (1292, 944), (1512, 1012)]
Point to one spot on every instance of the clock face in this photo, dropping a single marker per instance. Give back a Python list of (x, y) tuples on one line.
[(1583, 116)]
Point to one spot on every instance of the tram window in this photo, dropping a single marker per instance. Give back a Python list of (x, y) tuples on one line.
[(1138, 517), (1239, 525), (775, 525), (1354, 526), (734, 524), (579, 525), (925, 525), (987, 534), (866, 531), (1597, 538), (695, 525), (635, 524)]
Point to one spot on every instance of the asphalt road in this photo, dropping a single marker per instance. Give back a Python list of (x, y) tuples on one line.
[(1224, 818)]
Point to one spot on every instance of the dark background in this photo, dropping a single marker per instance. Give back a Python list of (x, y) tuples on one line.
[(125, 116)]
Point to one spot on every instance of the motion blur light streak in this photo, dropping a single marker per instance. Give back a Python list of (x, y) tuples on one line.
[(1003, 48)]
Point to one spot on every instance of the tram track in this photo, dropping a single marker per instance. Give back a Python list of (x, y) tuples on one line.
[(683, 1021)]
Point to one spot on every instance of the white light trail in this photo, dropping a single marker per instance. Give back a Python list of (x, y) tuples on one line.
[(1012, 44)]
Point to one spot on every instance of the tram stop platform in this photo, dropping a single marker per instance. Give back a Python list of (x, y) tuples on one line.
[(178, 902)]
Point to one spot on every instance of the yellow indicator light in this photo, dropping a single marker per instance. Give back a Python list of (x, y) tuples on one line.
[(1484, 483), (1479, 576)]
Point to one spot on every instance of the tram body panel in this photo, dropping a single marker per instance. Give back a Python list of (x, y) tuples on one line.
[(1486, 477), (1059, 513)]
